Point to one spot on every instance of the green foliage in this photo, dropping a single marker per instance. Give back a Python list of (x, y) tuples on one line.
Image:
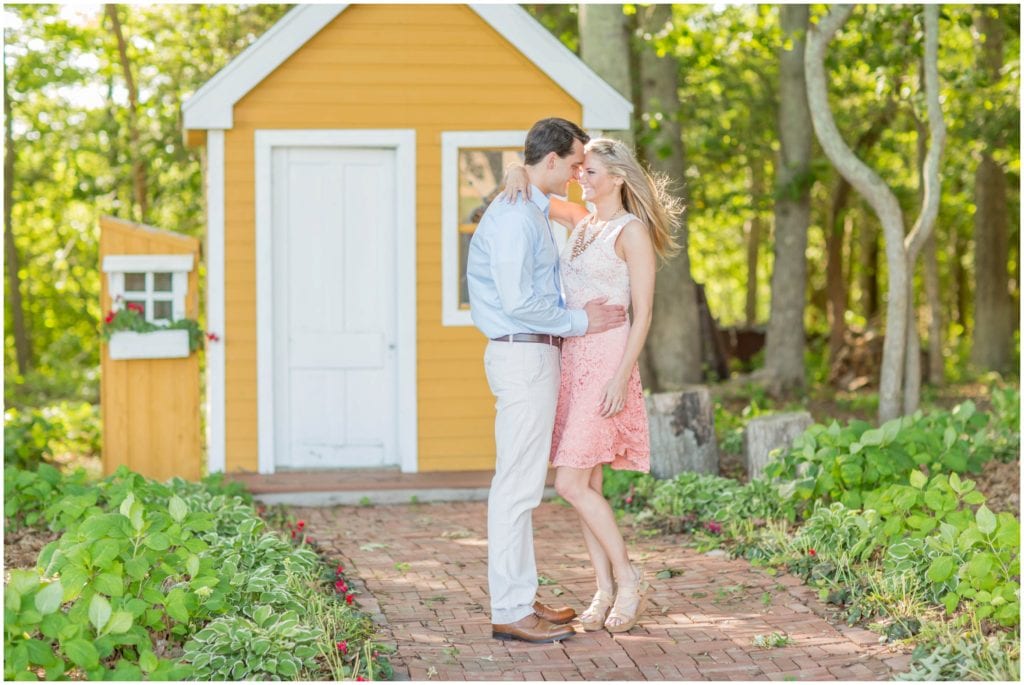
[(834, 532), (842, 463), (262, 646), (147, 569), (73, 158), (627, 490), (694, 497), (966, 656), (28, 494), (32, 436)]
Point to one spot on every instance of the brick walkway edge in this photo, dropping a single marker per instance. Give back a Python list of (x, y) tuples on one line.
[(424, 568)]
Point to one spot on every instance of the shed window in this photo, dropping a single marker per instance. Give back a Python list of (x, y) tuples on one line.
[(473, 164), (158, 284)]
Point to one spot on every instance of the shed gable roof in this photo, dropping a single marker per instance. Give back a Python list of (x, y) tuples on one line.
[(212, 106)]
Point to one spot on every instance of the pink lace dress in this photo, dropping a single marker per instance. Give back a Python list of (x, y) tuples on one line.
[(582, 438)]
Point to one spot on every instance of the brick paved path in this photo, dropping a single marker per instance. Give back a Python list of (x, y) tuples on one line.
[(424, 568)]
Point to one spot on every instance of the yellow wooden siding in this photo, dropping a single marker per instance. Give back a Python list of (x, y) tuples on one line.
[(150, 407), (432, 68)]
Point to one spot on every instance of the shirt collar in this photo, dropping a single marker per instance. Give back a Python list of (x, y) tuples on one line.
[(539, 198)]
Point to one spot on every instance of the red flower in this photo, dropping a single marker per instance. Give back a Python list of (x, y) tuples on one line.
[(339, 571), (293, 533), (713, 527), (343, 647), (812, 552), (135, 307), (340, 586), (359, 677), (629, 500), (212, 337), (348, 599), (109, 317)]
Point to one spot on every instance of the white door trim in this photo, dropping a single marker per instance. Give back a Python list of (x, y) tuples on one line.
[(216, 460), (403, 141)]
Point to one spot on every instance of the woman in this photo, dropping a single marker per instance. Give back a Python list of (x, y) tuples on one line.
[(601, 417)]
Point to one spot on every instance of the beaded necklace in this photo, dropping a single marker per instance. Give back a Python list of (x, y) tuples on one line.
[(582, 242)]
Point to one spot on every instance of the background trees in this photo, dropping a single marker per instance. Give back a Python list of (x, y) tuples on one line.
[(707, 82)]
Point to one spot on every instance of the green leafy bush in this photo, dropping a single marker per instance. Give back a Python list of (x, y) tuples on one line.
[(144, 568), (839, 464), (33, 436)]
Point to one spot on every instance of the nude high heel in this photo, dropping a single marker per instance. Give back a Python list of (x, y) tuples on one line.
[(636, 597), (593, 618)]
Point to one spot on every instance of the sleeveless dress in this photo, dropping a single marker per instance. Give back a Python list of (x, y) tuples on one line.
[(582, 438)]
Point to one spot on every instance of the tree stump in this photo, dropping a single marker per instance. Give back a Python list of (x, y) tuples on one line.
[(766, 433), (682, 432)]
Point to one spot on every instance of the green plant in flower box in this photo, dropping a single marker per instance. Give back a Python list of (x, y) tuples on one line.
[(131, 318)]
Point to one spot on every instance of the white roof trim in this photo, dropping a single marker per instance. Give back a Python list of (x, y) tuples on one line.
[(147, 262), (212, 106)]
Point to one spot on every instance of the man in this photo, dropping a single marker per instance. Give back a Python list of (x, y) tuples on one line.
[(515, 300)]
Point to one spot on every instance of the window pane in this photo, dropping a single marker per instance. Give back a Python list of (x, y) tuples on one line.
[(480, 174), (135, 282), (161, 283), (162, 310)]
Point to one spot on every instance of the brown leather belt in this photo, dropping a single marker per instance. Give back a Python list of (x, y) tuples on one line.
[(531, 337)]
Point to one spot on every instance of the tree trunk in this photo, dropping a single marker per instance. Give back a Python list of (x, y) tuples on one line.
[(868, 275), (936, 365), (994, 315), (138, 162), (784, 343), (835, 284), (936, 370), (877, 194), (754, 230), (604, 44), (674, 348), (12, 260), (924, 227), (836, 235)]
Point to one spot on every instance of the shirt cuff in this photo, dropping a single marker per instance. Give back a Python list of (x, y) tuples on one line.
[(578, 323)]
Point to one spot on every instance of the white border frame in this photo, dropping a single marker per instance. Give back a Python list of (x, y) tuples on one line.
[(451, 142), (403, 141)]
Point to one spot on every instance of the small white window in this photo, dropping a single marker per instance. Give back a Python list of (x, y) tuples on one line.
[(156, 283), (472, 166)]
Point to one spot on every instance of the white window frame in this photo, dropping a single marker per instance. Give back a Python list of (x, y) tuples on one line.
[(451, 143), (179, 266)]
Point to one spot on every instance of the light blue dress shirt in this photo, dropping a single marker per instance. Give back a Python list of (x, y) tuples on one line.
[(512, 272)]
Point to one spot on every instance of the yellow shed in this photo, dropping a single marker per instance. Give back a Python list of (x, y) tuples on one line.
[(349, 152)]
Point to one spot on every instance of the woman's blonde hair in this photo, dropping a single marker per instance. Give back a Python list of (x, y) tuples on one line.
[(644, 195)]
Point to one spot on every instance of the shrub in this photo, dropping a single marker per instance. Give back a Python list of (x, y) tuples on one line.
[(144, 568), (34, 436)]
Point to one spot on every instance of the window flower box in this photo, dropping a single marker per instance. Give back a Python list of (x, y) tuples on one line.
[(165, 344)]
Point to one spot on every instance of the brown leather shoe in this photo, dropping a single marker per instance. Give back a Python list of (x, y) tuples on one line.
[(557, 616), (532, 628)]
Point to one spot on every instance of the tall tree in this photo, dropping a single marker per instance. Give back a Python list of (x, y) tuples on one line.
[(754, 232), (605, 46), (994, 313), (784, 344), (136, 152), (901, 250), (22, 341), (674, 342)]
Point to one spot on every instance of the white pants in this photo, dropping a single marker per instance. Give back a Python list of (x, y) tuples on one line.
[(524, 378)]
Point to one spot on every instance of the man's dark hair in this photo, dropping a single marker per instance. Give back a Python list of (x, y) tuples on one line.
[(552, 135)]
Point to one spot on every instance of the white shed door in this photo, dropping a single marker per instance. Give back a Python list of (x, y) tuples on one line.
[(334, 307)]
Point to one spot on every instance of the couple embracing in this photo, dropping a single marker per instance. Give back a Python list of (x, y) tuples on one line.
[(562, 362)]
